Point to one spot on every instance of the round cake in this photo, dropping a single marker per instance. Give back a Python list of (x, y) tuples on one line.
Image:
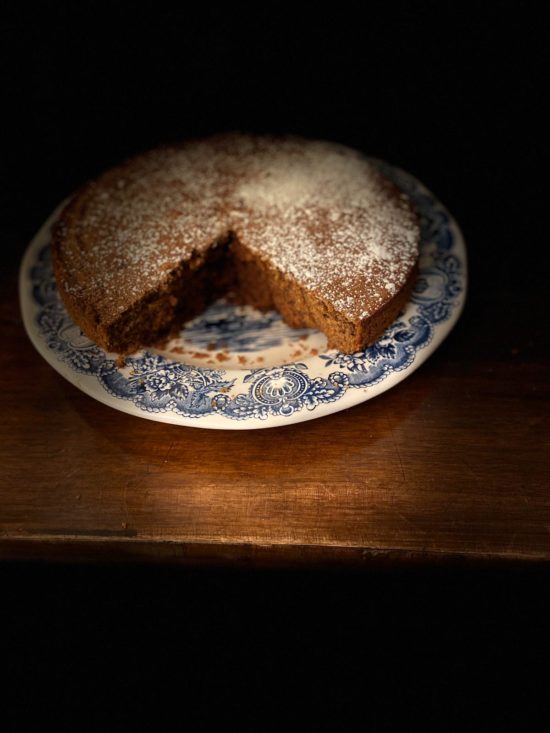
[(308, 227)]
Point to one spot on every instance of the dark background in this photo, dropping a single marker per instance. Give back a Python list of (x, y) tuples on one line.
[(453, 93)]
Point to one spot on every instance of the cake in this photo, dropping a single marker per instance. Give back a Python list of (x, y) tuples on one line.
[(308, 227)]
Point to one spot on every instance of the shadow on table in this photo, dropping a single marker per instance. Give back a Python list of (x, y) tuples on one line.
[(329, 442)]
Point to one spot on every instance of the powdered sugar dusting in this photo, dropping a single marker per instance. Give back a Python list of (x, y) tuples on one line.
[(318, 211), (324, 214)]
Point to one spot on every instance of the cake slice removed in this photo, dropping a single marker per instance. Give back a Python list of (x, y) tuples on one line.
[(308, 227)]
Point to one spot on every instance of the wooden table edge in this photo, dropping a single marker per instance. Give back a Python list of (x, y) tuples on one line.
[(90, 549)]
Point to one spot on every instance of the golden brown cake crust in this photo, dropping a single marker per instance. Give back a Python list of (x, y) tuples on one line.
[(309, 227)]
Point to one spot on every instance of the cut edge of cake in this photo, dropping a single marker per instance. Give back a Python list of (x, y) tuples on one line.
[(226, 269)]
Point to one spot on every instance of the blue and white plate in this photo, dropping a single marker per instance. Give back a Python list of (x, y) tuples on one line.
[(236, 368)]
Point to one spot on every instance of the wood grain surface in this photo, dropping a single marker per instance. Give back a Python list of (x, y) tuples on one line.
[(453, 462)]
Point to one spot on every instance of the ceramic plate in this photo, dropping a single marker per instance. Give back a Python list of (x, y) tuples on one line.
[(236, 368)]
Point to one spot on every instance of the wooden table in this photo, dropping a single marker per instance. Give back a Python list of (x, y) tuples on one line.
[(452, 463)]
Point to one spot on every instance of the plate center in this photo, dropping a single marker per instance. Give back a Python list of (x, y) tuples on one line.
[(241, 337)]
